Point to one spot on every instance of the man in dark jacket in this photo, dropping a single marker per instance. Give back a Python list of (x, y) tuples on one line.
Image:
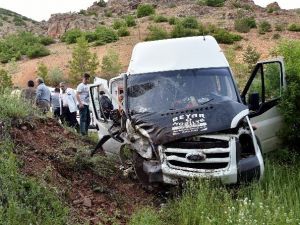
[(106, 105)]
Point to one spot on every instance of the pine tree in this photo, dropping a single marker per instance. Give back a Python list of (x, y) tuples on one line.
[(251, 56), (83, 61)]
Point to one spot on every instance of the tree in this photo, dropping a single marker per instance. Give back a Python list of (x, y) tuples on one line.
[(251, 56), (83, 61), (55, 76), (42, 71), (111, 64), (5, 80)]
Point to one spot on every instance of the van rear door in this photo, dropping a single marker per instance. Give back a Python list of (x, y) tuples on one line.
[(262, 94)]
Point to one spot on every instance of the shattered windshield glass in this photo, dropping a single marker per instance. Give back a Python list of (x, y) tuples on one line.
[(182, 89)]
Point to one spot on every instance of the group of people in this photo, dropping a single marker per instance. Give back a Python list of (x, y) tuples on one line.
[(64, 102)]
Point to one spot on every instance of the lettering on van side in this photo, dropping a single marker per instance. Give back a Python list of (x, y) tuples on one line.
[(187, 123)]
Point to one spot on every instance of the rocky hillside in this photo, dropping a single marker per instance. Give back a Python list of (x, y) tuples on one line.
[(11, 22)]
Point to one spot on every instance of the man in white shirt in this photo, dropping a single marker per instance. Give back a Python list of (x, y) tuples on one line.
[(83, 101), (68, 106)]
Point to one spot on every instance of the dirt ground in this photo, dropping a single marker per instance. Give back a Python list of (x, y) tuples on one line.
[(60, 160)]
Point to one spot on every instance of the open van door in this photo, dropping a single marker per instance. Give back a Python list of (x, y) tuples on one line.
[(103, 124), (262, 94)]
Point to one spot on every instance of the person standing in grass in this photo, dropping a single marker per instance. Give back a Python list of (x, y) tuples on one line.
[(68, 106), (55, 103), (29, 93), (43, 96), (83, 101)]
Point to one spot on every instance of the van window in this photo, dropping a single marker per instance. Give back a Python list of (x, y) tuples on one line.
[(181, 89)]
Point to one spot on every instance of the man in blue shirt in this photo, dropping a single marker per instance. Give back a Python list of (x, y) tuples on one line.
[(43, 96)]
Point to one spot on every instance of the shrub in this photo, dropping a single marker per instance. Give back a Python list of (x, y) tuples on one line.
[(130, 21), (173, 20), (294, 27), (18, 21), (280, 26), (276, 36), (225, 37), (55, 76), (160, 19), (111, 64), (250, 57), (71, 36), (123, 31), (156, 33), (102, 3), (46, 40), (289, 105), (215, 3), (180, 31), (106, 35), (145, 10), (190, 22), (42, 71), (90, 36), (244, 25), (119, 23), (5, 80), (37, 50), (264, 27)]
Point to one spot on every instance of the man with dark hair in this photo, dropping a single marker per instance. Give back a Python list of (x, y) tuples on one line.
[(43, 96), (55, 103), (106, 105), (83, 101), (29, 92), (68, 106)]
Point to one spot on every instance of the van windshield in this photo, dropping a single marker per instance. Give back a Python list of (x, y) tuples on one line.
[(181, 89)]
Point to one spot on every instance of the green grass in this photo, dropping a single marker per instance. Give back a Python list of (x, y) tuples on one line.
[(22, 199), (274, 200)]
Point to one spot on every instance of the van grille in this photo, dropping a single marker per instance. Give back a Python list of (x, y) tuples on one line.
[(217, 154)]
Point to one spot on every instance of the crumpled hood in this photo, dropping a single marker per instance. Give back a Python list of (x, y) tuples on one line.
[(162, 128)]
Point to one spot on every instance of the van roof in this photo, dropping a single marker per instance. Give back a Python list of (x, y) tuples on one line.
[(176, 54)]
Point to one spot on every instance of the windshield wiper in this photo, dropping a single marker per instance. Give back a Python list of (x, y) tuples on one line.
[(209, 100)]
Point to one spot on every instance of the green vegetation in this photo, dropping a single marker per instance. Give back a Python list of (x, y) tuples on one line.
[(173, 20), (244, 25), (264, 27), (102, 34), (225, 37), (190, 22), (111, 65), (117, 24), (290, 107), (42, 71), (251, 57), (156, 33), (294, 27), (145, 10), (82, 61), (23, 200), (5, 80), (130, 21), (55, 76), (160, 19), (25, 43), (123, 31), (280, 26), (102, 3), (19, 21), (274, 200), (213, 3)]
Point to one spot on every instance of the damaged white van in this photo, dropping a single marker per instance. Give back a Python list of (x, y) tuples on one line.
[(179, 111)]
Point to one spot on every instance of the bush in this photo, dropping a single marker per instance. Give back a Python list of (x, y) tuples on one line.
[(71, 36), (46, 40), (42, 71), (214, 3), (244, 25), (276, 36), (156, 33), (290, 105), (102, 3), (55, 76), (225, 37), (250, 57), (90, 36), (130, 21), (5, 80), (180, 31), (145, 10), (264, 27), (119, 23), (190, 22), (123, 31), (18, 21), (294, 27), (37, 50), (173, 20), (106, 35), (111, 64), (160, 19), (280, 26)]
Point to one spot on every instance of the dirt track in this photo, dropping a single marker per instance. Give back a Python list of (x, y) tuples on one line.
[(60, 159)]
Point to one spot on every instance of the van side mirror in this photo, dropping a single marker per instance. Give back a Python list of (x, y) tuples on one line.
[(253, 101)]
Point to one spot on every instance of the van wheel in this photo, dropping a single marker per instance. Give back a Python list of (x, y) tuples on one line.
[(138, 168)]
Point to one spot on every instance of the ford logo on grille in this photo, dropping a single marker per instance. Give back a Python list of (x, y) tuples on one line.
[(196, 156)]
